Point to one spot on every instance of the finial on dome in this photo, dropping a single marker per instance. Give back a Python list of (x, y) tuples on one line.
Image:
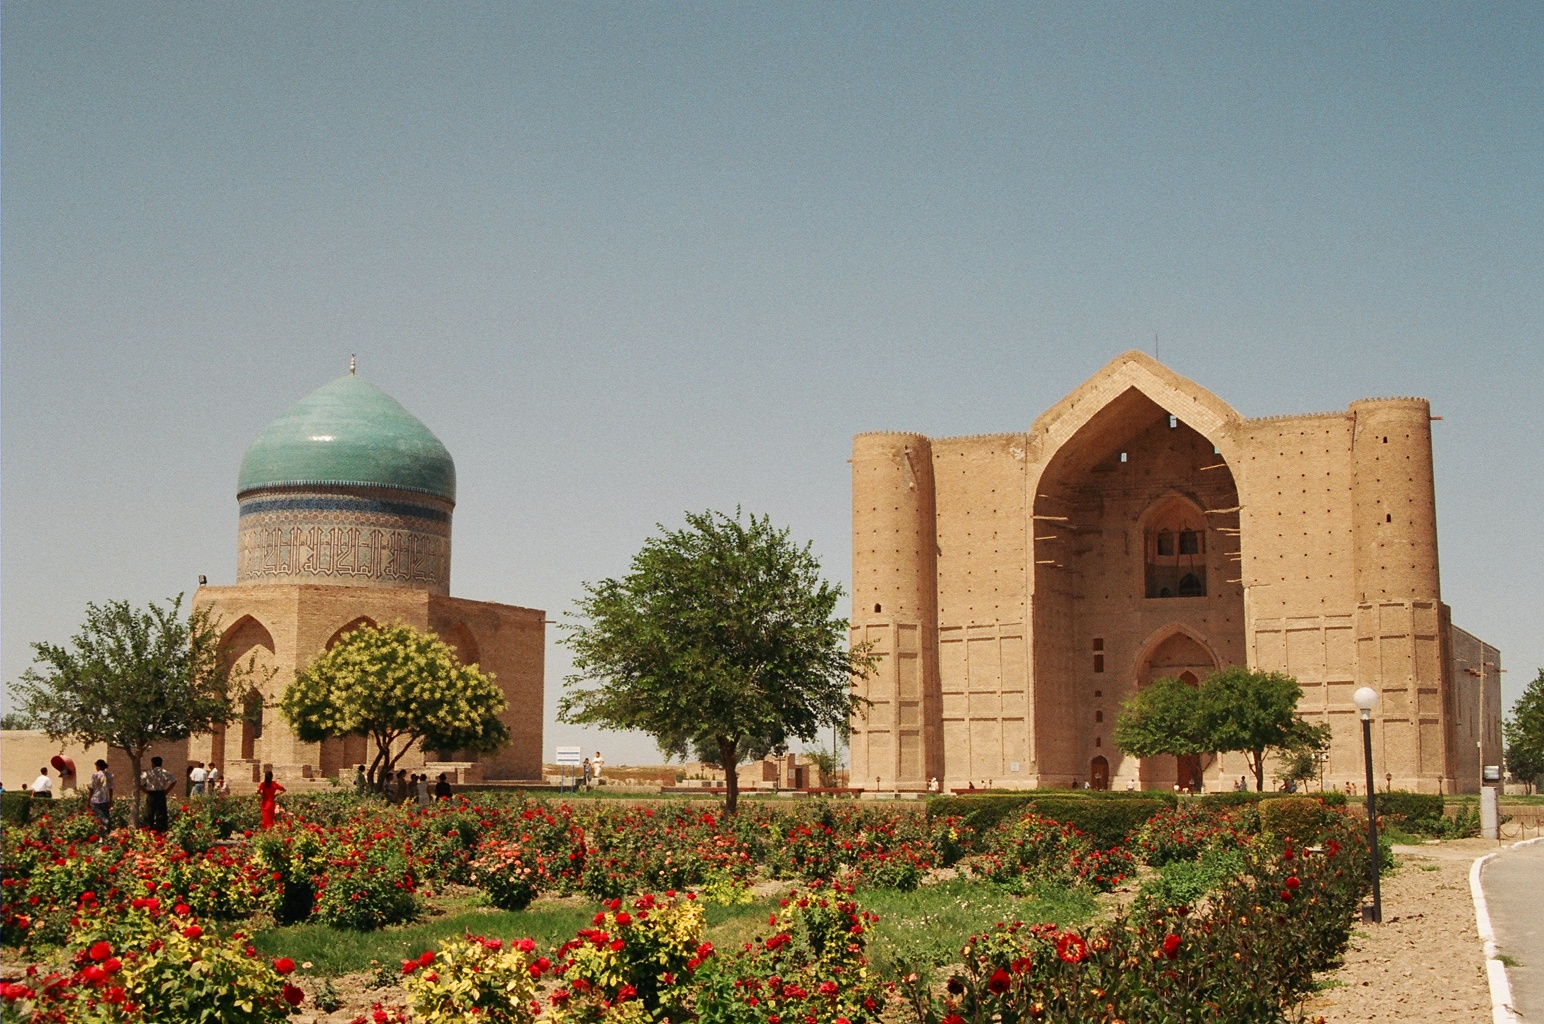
[(351, 364)]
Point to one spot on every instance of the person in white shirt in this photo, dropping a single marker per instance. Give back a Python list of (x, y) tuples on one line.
[(212, 781), (198, 778), (596, 764), (42, 786)]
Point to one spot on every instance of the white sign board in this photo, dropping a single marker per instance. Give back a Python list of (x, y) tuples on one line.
[(569, 755)]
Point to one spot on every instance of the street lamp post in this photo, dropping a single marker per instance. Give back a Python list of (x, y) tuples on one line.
[(1366, 699)]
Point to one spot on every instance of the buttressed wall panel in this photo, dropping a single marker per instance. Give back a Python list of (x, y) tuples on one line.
[(1141, 528)]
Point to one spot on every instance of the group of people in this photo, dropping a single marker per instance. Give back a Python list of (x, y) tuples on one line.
[(591, 769), (206, 780), (99, 791), (402, 787)]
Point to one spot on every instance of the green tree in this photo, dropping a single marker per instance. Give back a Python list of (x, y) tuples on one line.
[(17, 720), (1250, 711), (132, 678), (396, 686), (1525, 734), (1234, 709), (1161, 718), (1299, 756), (721, 634)]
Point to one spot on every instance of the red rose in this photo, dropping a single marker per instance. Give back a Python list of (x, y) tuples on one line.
[(293, 995), (112, 965), (1292, 882), (284, 965), (101, 951), (192, 931), (426, 958), (409, 966), (526, 945), (999, 982), (623, 917), (1286, 895), (1171, 946)]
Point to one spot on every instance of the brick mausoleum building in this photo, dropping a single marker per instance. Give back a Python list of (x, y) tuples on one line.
[(345, 509), (1019, 586)]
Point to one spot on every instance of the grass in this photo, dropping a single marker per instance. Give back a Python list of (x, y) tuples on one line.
[(916, 930), (926, 928), (1508, 961), (335, 951)]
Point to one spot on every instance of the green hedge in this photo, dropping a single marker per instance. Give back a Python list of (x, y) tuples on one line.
[(15, 808), (1331, 798), (1421, 811), (1107, 818)]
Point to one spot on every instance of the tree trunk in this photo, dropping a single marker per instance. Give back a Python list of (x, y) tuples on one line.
[(135, 757), (1257, 762), (728, 757)]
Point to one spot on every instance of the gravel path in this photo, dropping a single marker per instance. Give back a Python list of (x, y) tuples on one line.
[(1424, 963)]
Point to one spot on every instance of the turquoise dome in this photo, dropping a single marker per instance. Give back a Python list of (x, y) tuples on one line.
[(349, 432)]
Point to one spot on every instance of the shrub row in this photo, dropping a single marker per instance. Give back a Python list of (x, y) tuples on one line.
[(1107, 818)]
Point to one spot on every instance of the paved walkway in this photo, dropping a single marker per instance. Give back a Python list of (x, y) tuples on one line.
[(1514, 892)]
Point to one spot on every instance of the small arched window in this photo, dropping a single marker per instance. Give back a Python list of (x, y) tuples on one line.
[(1175, 550)]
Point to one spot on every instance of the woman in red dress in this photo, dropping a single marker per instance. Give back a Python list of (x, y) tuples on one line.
[(268, 798)]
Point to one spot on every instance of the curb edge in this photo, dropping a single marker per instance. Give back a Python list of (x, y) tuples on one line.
[(1501, 1010)]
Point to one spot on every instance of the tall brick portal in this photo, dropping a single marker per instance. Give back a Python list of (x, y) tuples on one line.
[(1018, 587)]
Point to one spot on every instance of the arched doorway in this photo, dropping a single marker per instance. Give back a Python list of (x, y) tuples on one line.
[(342, 752), (1099, 773), (1178, 655), (249, 649)]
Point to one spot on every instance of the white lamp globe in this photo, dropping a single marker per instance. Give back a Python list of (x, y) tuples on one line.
[(1366, 698)]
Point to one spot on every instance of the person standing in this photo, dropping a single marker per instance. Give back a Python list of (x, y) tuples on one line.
[(100, 799), (198, 778), (156, 783), (442, 788), (404, 790), (596, 764), (360, 782), (422, 786), (268, 798), (586, 772), (212, 780), (42, 786)]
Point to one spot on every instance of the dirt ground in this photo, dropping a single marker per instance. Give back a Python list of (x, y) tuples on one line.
[(1424, 963)]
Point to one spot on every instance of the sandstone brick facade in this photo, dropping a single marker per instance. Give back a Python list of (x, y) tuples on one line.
[(1018, 587)]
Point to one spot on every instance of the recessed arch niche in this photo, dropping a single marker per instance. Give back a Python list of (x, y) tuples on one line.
[(248, 648)]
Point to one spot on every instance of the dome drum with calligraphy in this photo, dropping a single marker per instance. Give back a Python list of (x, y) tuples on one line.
[(346, 487)]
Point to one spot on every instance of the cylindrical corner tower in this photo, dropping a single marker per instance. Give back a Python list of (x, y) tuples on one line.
[(346, 488), (1394, 506), (897, 740), (1402, 644)]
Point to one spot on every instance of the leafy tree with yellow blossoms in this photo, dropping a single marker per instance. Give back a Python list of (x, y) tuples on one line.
[(396, 686)]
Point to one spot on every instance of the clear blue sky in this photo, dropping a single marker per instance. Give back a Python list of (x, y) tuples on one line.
[(632, 259)]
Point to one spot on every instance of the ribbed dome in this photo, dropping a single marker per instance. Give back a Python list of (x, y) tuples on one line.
[(349, 432)]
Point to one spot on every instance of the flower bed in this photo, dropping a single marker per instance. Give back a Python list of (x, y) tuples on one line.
[(1238, 920)]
